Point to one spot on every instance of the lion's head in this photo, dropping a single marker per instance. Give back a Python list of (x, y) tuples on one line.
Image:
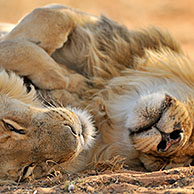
[(31, 134), (161, 127), (154, 110)]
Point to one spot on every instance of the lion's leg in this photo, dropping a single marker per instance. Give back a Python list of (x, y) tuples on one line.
[(27, 59), (26, 49), (48, 27)]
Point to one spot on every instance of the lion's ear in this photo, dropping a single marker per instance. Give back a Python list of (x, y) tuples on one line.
[(13, 86)]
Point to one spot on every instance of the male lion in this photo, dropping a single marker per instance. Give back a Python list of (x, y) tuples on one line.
[(138, 85)]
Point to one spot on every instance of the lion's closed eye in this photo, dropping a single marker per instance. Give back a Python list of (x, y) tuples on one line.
[(13, 126), (71, 128)]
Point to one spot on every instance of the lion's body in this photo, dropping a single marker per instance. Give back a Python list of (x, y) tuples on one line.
[(138, 85)]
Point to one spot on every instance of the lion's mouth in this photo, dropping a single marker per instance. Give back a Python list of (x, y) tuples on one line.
[(168, 139)]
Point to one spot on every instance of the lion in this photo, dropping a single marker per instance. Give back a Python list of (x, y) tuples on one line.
[(137, 84), (35, 138)]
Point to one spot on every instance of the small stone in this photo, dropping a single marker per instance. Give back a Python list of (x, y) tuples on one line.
[(35, 192), (71, 187)]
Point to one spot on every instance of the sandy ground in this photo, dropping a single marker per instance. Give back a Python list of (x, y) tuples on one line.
[(175, 15)]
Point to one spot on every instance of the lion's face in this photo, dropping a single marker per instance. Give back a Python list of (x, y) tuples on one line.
[(160, 126), (31, 136)]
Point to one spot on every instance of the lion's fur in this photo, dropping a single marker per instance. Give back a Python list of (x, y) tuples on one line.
[(138, 85), (161, 70), (33, 134)]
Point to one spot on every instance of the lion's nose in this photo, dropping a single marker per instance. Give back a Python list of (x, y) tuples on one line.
[(169, 139)]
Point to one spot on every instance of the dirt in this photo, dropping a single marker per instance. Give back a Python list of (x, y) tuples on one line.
[(177, 16), (178, 180)]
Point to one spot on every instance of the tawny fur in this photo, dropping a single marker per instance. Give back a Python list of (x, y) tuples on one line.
[(138, 85), (33, 134)]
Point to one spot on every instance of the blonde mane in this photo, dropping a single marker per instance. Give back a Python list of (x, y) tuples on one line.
[(169, 64)]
